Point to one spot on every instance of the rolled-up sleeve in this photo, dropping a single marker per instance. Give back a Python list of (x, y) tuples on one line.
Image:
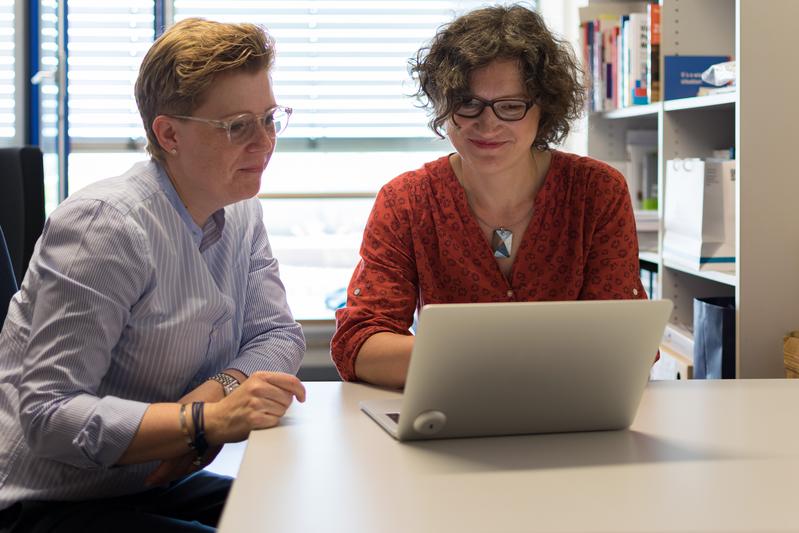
[(271, 339), (612, 268), (92, 268), (383, 293)]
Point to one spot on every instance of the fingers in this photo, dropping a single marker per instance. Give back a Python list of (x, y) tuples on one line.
[(266, 406), (170, 470), (286, 382), (263, 421), (258, 403), (177, 467)]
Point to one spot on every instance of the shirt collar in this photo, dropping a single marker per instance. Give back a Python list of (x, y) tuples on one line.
[(203, 237)]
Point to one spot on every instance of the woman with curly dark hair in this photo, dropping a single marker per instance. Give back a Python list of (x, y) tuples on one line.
[(506, 217)]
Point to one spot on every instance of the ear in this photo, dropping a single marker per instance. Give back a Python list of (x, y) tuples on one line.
[(165, 132)]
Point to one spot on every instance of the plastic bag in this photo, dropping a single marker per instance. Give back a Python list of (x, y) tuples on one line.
[(720, 74)]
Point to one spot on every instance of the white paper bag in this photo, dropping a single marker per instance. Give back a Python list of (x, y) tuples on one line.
[(699, 214)]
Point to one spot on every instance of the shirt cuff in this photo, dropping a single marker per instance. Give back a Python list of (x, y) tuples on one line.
[(286, 359), (109, 429)]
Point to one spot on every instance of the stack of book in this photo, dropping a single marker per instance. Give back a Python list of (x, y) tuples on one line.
[(676, 354), (621, 53), (647, 224)]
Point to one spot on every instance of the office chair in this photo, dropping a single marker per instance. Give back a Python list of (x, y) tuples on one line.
[(8, 282), (21, 203)]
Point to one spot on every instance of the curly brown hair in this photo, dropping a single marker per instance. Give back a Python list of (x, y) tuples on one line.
[(550, 71), (183, 62)]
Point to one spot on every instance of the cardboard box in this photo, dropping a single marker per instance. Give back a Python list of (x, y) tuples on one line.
[(791, 354)]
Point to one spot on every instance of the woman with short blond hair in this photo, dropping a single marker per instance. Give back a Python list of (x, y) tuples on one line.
[(152, 326)]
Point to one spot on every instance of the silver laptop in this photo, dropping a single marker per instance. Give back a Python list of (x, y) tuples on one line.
[(516, 368)]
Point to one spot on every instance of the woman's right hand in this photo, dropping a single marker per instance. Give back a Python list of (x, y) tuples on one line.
[(259, 403)]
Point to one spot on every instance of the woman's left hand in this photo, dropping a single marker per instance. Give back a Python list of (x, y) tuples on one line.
[(178, 467)]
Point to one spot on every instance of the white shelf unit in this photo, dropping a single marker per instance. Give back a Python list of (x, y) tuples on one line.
[(634, 111), (713, 100), (651, 257), (757, 121)]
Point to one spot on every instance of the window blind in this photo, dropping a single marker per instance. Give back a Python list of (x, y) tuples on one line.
[(48, 62), (343, 65), (106, 43), (7, 76)]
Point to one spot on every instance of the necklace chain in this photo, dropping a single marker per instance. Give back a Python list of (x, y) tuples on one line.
[(501, 236), (503, 226)]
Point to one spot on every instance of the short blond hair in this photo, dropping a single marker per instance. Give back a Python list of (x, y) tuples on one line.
[(183, 62)]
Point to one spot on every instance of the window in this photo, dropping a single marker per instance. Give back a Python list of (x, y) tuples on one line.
[(8, 79), (342, 65), (106, 44)]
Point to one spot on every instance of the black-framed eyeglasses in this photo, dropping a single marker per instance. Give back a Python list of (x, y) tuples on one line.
[(508, 109), (241, 129)]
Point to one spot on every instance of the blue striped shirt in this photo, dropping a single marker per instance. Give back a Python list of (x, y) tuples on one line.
[(128, 302)]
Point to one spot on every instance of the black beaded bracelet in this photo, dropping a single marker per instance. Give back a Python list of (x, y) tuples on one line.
[(198, 417)]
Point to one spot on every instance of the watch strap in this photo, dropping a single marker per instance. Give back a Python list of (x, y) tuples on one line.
[(228, 382)]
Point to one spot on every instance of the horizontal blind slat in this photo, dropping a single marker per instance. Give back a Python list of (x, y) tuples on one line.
[(343, 65), (106, 43)]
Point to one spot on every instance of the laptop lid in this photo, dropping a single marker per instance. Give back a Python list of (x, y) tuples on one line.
[(532, 367)]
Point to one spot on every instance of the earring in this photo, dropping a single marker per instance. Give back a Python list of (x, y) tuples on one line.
[(173, 151)]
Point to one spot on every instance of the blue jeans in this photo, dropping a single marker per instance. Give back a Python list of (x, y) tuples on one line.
[(191, 505)]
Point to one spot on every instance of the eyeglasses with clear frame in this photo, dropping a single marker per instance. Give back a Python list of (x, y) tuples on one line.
[(507, 109), (241, 129)]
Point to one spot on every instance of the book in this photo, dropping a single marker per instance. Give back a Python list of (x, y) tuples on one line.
[(646, 220), (707, 91), (616, 9), (653, 53), (642, 148), (624, 62), (639, 59), (679, 338), (683, 74), (606, 54)]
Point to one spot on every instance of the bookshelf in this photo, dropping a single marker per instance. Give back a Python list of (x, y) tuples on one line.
[(757, 120)]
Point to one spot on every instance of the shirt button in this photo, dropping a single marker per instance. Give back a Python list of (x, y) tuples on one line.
[(357, 292), (510, 294), (635, 292)]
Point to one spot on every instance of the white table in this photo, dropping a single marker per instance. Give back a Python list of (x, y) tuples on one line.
[(700, 456)]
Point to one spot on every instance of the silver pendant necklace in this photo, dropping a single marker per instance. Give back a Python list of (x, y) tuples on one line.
[(501, 236)]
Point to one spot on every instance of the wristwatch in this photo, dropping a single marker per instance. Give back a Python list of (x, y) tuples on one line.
[(228, 382)]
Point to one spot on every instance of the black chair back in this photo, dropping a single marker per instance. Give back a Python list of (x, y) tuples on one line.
[(8, 281), (21, 203)]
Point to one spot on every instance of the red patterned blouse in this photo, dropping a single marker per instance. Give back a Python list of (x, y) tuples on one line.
[(422, 245)]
